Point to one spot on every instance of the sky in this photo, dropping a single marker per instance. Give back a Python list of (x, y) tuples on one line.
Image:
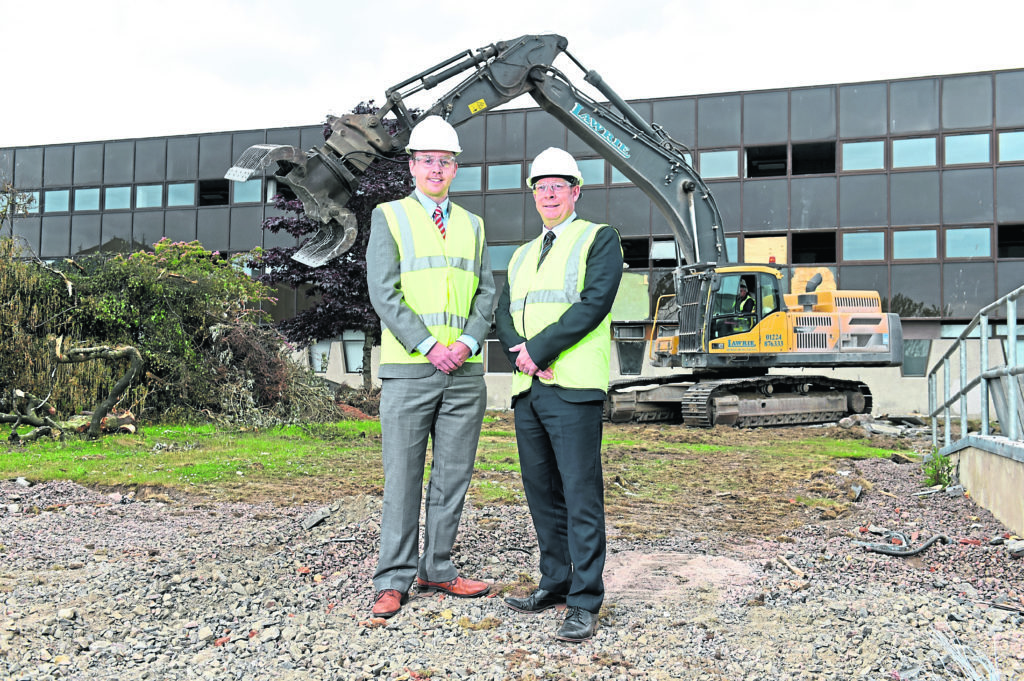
[(107, 69)]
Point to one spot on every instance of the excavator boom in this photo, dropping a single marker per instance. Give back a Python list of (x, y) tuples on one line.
[(325, 178)]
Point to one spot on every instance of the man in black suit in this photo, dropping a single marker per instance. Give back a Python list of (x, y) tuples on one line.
[(553, 317)]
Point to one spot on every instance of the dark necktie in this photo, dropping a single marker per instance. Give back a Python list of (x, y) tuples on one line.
[(439, 220), (549, 239)]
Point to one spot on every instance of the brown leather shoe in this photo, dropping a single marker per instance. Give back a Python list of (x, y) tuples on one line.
[(460, 586), (388, 602)]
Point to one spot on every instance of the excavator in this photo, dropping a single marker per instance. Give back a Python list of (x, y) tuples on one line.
[(715, 342)]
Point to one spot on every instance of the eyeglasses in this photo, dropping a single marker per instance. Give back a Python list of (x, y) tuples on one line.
[(443, 163), (553, 187)]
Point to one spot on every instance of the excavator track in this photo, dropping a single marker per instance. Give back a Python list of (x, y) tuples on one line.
[(741, 402)]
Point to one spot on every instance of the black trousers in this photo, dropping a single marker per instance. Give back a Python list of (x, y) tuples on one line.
[(560, 456)]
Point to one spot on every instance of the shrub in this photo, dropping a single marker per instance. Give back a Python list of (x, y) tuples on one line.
[(938, 470)]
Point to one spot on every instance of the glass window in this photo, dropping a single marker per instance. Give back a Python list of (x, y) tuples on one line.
[(915, 356), (618, 177), (31, 204), (967, 149), (500, 256), (149, 196), (968, 242), (56, 201), (1010, 242), (320, 355), (914, 245), (915, 198), (250, 191), (913, 152), (967, 287), (505, 176), (467, 179), (496, 359), (916, 290), (183, 194), (592, 170), (352, 345), (863, 155), (863, 200), (732, 248), (213, 192), (117, 198), (1011, 146), (864, 246), (663, 250), (87, 199), (719, 164)]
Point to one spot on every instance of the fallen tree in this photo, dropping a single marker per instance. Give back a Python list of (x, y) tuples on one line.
[(106, 406), (25, 409)]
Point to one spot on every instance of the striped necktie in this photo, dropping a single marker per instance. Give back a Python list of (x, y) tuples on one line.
[(439, 220), (549, 239)]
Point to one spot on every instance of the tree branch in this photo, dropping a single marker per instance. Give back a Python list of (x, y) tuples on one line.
[(76, 355)]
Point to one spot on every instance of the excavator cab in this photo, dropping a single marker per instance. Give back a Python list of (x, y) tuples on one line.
[(733, 307), (741, 299)]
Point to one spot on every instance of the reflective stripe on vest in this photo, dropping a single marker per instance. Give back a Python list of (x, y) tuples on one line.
[(439, 276), (539, 297)]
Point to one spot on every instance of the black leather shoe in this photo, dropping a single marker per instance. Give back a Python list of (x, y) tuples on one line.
[(535, 602), (579, 625)]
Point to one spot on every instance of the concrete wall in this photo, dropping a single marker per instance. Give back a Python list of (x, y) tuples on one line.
[(991, 469)]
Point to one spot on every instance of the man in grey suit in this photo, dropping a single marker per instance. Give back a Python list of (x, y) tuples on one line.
[(430, 282)]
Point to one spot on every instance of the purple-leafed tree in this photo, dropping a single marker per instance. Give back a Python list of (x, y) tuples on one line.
[(342, 301)]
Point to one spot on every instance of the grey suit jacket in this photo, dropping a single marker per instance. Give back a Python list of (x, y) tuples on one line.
[(383, 278)]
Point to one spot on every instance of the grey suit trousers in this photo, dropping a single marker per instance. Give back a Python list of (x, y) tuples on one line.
[(449, 410)]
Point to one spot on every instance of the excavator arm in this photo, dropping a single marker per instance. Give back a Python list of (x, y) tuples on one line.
[(326, 177)]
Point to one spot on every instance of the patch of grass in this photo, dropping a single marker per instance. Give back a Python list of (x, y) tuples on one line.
[(490, 492), (499, 459), (505, 434), (608, 442), (833, 449), (203, 458), (488, 622), (728, 479)]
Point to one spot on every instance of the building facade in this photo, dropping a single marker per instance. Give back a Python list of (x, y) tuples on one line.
[(910, 187)]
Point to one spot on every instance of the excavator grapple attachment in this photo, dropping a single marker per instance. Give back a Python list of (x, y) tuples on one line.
[(337, 231), (259, 156), (330, 241)]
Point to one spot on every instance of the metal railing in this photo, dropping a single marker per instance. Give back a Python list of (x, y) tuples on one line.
[(999, 382)]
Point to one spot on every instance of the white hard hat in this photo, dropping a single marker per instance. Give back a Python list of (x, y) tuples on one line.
[(554, 162), (434, 133)]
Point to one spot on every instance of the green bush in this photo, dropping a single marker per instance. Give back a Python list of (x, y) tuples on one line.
[(195, 316)]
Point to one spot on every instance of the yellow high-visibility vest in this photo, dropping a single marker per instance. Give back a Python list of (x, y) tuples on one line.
[(539, 297), (439, 276)]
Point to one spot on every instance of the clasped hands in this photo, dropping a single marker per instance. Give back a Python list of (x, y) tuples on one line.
[(448, 358), (526, 364)]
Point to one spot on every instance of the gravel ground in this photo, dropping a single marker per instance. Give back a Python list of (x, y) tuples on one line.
[(105, 586)]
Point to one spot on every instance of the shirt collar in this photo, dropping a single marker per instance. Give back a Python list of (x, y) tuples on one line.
[(430, 204), (557, 229)]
